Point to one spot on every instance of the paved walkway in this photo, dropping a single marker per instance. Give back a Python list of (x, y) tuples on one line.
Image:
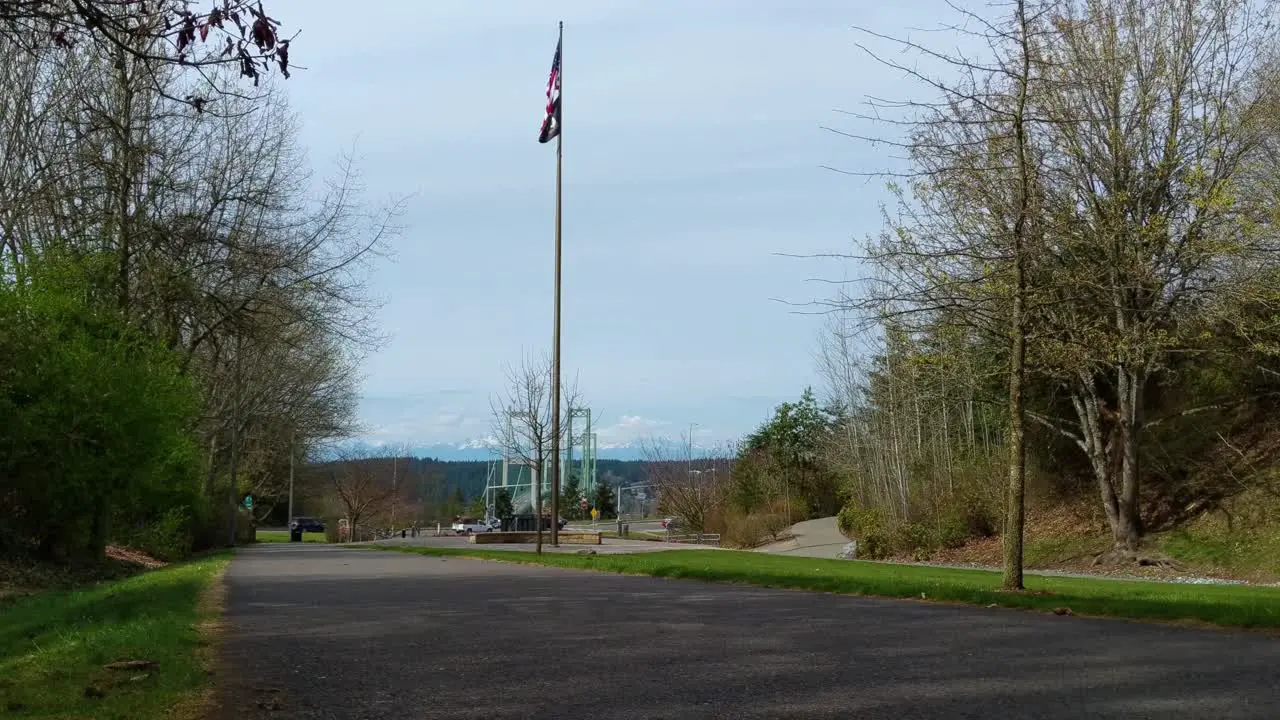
[(328, 633), (812, 538)]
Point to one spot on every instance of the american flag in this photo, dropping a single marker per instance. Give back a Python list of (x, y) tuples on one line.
[(551, 123)]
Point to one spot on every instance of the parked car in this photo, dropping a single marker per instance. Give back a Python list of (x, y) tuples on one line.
[(307, 524)]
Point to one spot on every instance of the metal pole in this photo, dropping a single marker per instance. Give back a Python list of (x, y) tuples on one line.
[(555, 342), (235, 444), (292, 452)]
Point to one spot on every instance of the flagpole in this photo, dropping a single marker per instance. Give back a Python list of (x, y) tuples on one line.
[(555, 342)]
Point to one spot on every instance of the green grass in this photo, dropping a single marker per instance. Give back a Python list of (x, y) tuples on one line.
[(1250, 554), (1239, 606), (54, 644), (282, 536)]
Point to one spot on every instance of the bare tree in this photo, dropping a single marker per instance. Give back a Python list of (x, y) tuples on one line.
[(357, 489), (690, 488), (522, 424)]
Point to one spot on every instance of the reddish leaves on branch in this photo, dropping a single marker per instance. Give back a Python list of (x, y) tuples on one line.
[(253, 44), (262, 33)]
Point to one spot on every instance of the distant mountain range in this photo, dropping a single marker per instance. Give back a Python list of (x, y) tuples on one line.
[(479, 450), (467, 451)]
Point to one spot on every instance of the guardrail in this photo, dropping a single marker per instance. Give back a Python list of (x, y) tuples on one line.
[(695, 538)]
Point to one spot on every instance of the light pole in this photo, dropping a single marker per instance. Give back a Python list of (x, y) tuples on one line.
[(394, 495), (292, 451)]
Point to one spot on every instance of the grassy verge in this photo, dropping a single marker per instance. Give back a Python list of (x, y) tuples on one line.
[(1238, 606), (282, 536), (55, 646), (1248, 554)]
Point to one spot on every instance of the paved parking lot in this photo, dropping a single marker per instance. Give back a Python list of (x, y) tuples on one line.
[(329, 633)]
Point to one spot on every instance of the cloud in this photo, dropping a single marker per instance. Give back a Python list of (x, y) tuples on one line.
[(629, 429), (422, 417)]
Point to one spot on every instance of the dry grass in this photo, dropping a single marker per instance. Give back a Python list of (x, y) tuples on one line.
[(133, 557), (1068, 536)]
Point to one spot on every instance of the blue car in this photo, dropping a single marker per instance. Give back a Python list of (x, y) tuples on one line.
[(306, 524)]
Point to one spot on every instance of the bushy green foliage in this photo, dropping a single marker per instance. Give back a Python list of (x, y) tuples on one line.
[(784, 457), (950, 526), (571, 496), (94, 417), (168, 537), (868, 528), (751, 481), (605, 500)]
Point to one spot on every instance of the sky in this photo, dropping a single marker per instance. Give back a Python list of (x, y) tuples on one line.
[(693, 154)]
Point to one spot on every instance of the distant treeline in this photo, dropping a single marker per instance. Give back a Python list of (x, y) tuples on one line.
[(428, 482)]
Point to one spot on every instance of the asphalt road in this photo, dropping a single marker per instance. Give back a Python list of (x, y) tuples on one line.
[(608, 546), (320, 632)]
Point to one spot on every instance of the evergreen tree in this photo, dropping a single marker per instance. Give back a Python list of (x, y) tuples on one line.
[(502, 505), (571, 496), (605, 500)]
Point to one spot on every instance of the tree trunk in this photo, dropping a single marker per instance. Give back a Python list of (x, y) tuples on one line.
[(1128, 528), (1015, 498), (1113, 456), (213, 466), (1015, 502), (537, 506)]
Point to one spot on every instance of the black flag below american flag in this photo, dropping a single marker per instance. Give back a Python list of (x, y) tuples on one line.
[(551, 123)]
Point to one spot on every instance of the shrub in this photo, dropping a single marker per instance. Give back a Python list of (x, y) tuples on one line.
[(744, 530), (914, 539), (775, 524), (96, 415), (170, 537), (874, 536), (331, 529)]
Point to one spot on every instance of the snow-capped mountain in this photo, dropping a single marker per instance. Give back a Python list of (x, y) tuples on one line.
[(480, 449), (485, 448)]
